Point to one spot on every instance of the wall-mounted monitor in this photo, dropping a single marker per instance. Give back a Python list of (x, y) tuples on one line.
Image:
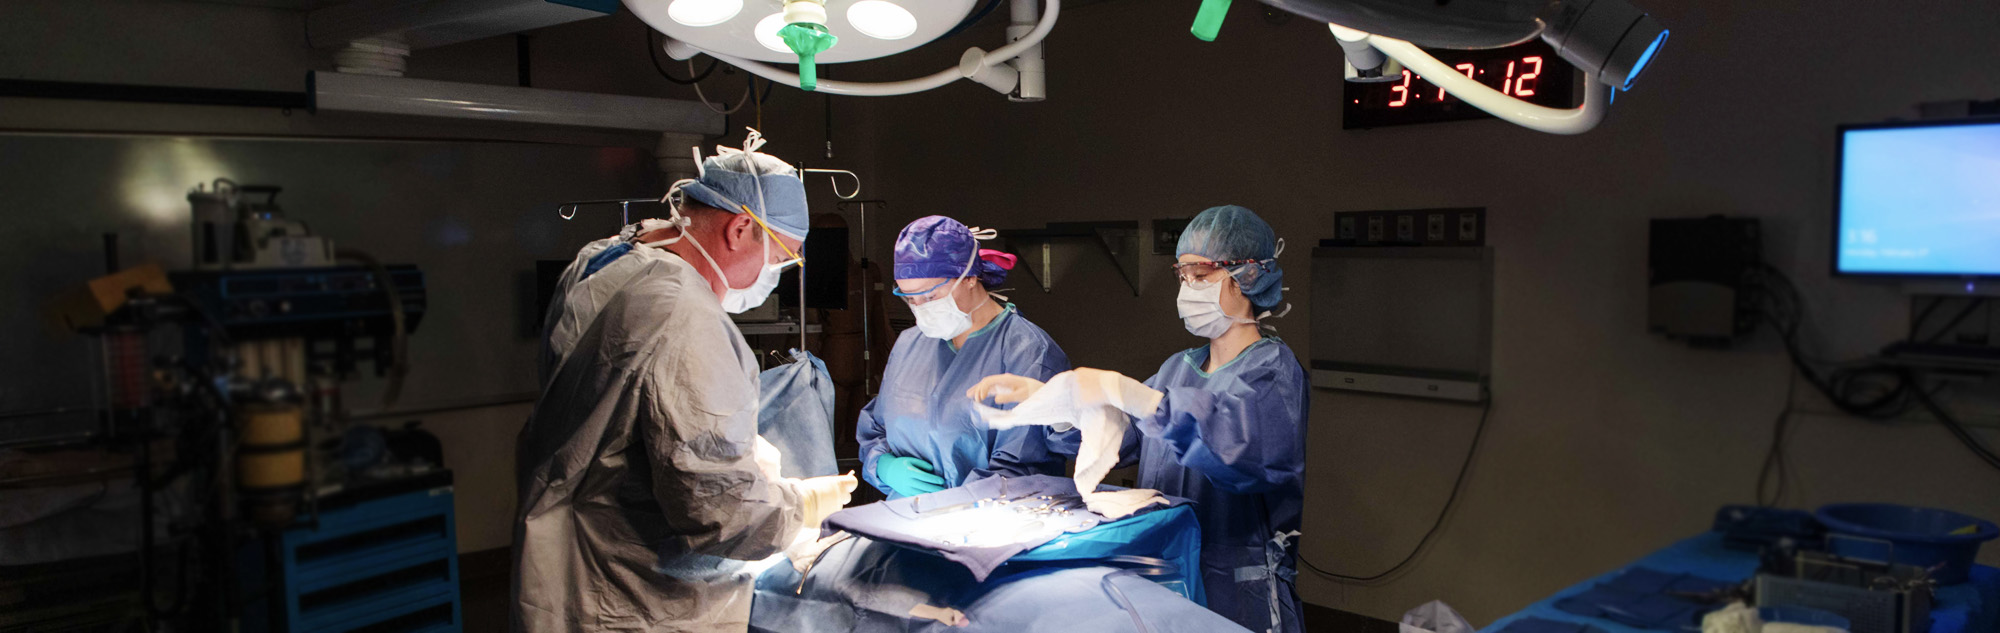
[(1918, 200)]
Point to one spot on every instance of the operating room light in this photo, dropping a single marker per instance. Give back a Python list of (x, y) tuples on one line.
[(881, 19), (703, 12), (767, 33), (1645, 57)]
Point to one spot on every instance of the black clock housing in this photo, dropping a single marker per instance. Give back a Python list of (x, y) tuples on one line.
[(1530, 71)]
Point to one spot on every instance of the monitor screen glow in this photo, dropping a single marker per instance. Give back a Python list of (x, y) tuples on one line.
[(1919, 201)]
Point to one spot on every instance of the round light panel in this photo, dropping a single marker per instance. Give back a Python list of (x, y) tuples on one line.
[(867, 28), (881, 19), (703, 12)]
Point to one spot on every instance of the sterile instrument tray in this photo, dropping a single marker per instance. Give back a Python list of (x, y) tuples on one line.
[(1875, 597)]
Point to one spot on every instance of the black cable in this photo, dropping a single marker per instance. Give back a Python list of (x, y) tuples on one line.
[(1832, 386), (1887, 405), (653, 53), (1956, 320), (1450, 501), (1924, 316), (1774, 457), (1958, 430)]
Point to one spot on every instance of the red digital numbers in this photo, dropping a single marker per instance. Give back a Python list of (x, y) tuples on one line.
[(1521, 81), (1522, 86), (1466, 68)]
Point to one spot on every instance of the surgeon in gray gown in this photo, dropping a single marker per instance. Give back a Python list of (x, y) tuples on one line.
[(644, 488)]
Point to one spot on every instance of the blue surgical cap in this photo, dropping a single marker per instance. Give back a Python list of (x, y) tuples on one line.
[(726, 184), (939, 247), (1233, 232)]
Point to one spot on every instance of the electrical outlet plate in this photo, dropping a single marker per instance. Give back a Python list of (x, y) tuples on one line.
[(1167, 235), (1411, 227)]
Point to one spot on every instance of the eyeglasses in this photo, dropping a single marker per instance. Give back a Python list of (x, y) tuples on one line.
[(795, 257), (1190, 272), (926, 295)]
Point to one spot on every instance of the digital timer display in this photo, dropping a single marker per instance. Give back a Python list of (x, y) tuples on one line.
[(1531, 72)]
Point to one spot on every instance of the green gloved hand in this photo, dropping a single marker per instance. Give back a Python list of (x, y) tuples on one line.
[(908, 476)]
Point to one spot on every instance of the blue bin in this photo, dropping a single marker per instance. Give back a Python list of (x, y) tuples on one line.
[(1914, 536)]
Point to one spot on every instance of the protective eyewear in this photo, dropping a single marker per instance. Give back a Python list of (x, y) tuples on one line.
[(1190, 272), (926, 295), (795, 257)]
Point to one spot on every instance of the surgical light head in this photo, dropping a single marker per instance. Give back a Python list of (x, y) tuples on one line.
[(1608, 38)]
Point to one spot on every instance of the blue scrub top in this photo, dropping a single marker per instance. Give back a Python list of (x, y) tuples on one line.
[(1233, 441), (922, 411)]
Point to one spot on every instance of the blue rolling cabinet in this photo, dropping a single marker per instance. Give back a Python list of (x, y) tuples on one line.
[(387, 564)]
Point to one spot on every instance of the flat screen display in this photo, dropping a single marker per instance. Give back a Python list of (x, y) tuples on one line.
[(1919, 200)]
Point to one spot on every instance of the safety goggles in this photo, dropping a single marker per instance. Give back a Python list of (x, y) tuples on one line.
[(1195, 272), (927, 295)]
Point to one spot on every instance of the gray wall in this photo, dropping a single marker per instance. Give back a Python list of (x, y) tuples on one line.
[(1605, 443), (247, 47)]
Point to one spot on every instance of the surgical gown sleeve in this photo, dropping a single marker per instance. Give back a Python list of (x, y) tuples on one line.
[(699, 428), (874, 440), (1240, 431), (870, 429), (1069, 442)]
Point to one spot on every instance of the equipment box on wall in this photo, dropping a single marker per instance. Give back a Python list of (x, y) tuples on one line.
[(1408, 321)]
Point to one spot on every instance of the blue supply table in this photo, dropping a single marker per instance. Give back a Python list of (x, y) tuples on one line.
[(1971, 607)]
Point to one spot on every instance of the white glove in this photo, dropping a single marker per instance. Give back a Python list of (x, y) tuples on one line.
[(1004, 389), (769, 459), (1052, 405), (823, 496), (1097, 387)]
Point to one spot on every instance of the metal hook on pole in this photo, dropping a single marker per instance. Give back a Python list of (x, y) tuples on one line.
[(836, 182), (567, 210)]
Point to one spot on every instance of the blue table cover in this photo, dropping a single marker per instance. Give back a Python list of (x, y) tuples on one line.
[(1971, 607)]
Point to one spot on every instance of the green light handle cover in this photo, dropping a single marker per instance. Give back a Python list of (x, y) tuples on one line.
[(1208, 21), (808, 40)]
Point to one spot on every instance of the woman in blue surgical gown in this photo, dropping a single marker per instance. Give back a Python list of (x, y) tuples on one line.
[(920, 433), (1223, 424)]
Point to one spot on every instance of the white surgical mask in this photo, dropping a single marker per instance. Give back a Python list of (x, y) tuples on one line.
[(1201, 310), (741, 300), (941, 319)]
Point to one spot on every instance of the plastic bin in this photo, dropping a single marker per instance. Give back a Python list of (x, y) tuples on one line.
[(1922, 537)]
